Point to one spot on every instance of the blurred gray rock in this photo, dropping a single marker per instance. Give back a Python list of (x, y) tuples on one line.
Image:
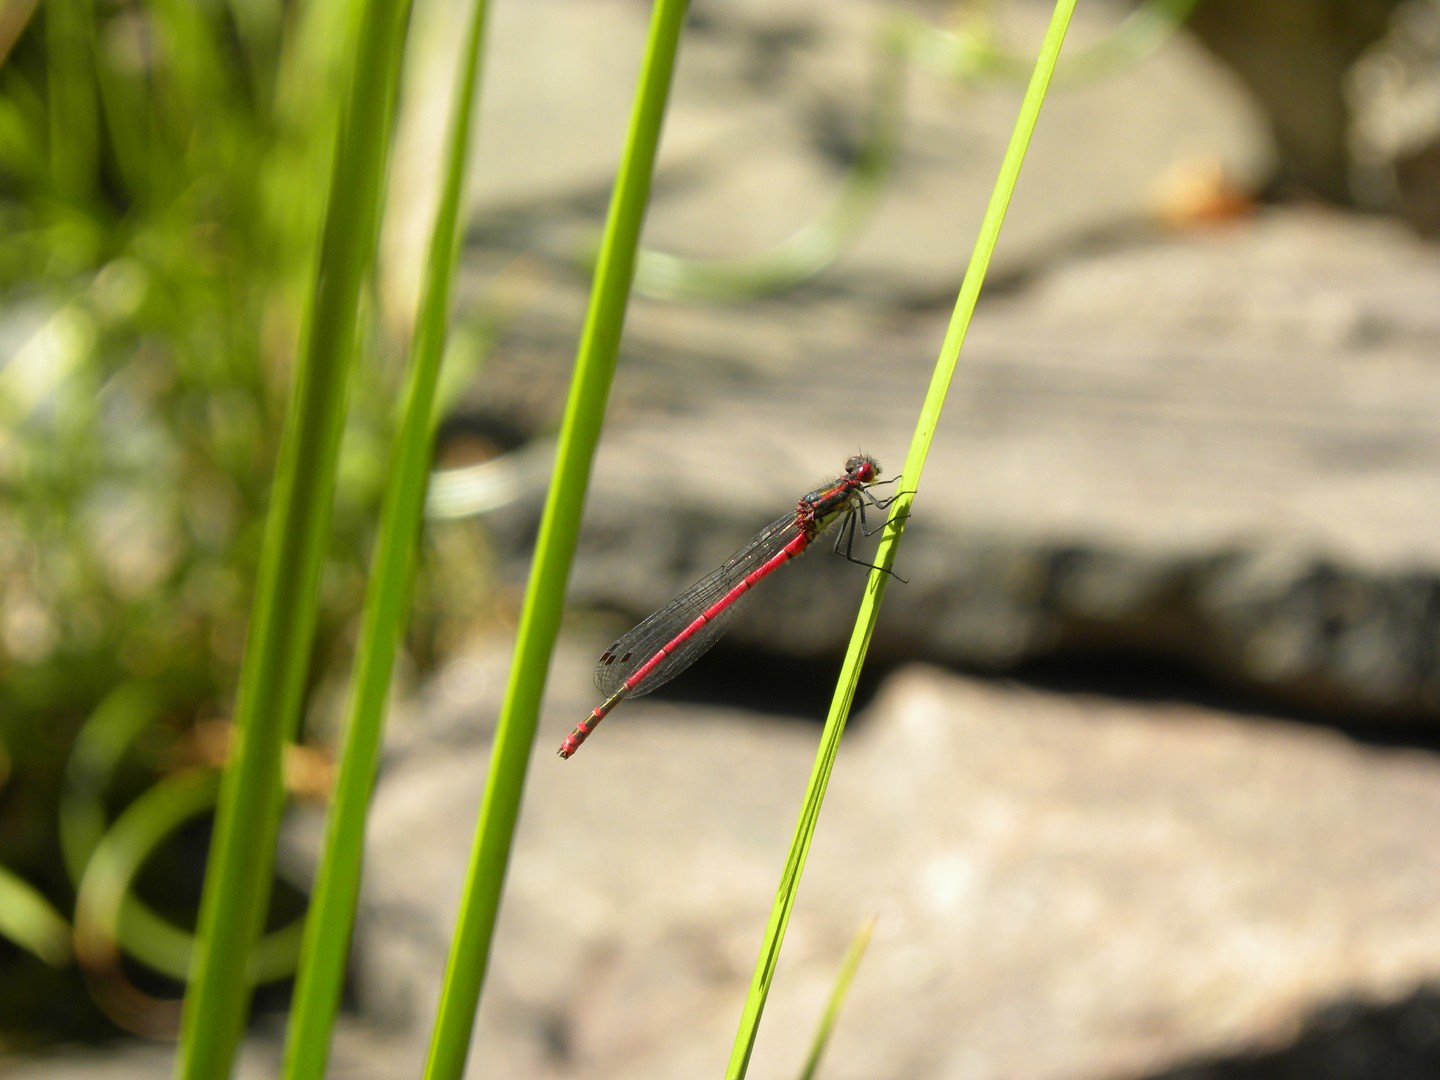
[(1066, 886), (1394, 96), (1218, 447), (1294, 56), (1349, 92)]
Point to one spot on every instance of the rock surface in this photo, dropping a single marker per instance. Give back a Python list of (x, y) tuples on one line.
[(1067, 886), (1220, 448), (1293, 57), (1394, 96)]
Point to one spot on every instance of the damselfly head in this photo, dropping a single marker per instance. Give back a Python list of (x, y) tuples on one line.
[(862, 467)]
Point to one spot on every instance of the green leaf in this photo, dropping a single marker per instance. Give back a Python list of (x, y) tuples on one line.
[(110, 919), (554, 552), (28, 919), (332, 908), (848, 967), (277, 655), (885, 555)]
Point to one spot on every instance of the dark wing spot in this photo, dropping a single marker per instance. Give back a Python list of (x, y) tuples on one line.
[(608, 657)]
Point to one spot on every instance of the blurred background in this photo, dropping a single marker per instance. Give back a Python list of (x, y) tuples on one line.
[(1138, 780)]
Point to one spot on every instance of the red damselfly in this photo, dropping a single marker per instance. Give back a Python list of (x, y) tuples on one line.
[(678, 634)]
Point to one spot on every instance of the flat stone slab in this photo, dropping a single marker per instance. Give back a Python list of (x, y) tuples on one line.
[(1066, 886), (1221, 447)]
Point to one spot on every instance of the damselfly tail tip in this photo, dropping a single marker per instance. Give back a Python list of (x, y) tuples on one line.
[(572, 743)]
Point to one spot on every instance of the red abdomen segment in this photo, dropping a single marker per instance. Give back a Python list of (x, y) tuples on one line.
[(590, 723), (795, 547)]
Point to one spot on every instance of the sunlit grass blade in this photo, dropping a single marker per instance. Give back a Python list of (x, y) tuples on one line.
[(104, 858), (277, 655), (102, 742), (332, 907), (29, 920), (885, 555), (848, 967), (110, 919), (554, 551)]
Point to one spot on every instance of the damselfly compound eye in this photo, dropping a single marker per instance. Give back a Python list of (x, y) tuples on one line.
[(862, 467)]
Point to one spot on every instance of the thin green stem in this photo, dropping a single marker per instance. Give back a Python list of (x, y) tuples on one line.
[(332, 908), (272, 681), (885, 555), (554, 552), (848, 969), (29, 920)]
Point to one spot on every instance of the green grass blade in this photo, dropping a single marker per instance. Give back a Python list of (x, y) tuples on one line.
[(29, 920), (272, 681), (332, 907), (74, 122), (102, 741), (117, 860), (110, 919), (885, 555), (848, 967), (554, 551)]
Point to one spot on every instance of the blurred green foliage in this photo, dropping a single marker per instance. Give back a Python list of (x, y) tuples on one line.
[(161, 174), (162, 170)]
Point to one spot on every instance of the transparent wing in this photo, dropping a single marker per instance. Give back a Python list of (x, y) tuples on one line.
[(630, 652)]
